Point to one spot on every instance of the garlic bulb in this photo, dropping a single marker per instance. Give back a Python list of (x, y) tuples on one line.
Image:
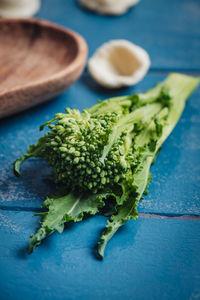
[(18, 8), (112, 7), (119, 63)]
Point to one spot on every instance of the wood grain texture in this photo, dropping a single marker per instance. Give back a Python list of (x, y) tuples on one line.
[(147, 259), (38, 60)]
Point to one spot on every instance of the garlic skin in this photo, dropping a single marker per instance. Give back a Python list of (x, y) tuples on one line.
[(18, 8), (119, 63), (111, 7)]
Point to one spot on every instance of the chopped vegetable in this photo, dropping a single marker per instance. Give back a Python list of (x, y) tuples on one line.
[(101, 158)]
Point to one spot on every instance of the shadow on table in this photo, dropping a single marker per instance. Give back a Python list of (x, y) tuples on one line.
[(89, 82), (115, 243), (46, 244)]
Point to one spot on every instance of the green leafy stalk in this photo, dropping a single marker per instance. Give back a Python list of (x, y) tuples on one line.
[(102, 156), (180, 87)]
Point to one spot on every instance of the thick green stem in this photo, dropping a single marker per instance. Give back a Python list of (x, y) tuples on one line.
[(180, 87)]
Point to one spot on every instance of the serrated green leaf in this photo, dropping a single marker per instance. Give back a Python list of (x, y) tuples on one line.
[(64, 209)]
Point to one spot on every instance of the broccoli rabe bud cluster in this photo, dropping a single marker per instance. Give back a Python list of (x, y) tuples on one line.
[(74, 147), (95, 151), (102, 156)]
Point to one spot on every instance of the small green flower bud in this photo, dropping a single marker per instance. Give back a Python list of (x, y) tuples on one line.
[(76, 160), (63, 149), (103, 180), (77, 153), (89, 171), (90, 185)]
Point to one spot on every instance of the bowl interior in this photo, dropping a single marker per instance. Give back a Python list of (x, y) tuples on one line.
[(31, 52)]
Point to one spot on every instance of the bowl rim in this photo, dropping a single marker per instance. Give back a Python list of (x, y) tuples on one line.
[(77, 63)]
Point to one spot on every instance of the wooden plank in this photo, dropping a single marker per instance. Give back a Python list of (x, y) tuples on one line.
[(168, 30), (174, 187), (147, 259)]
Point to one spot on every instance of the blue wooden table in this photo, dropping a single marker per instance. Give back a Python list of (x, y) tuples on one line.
[(155, 257)]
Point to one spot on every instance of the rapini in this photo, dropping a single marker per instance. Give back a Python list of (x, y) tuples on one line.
[(101, 157)]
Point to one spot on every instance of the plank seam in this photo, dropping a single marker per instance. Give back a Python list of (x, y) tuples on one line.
[(150, 215), (191, 217)]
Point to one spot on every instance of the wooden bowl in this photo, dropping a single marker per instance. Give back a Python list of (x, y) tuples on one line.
[(38, 60)]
